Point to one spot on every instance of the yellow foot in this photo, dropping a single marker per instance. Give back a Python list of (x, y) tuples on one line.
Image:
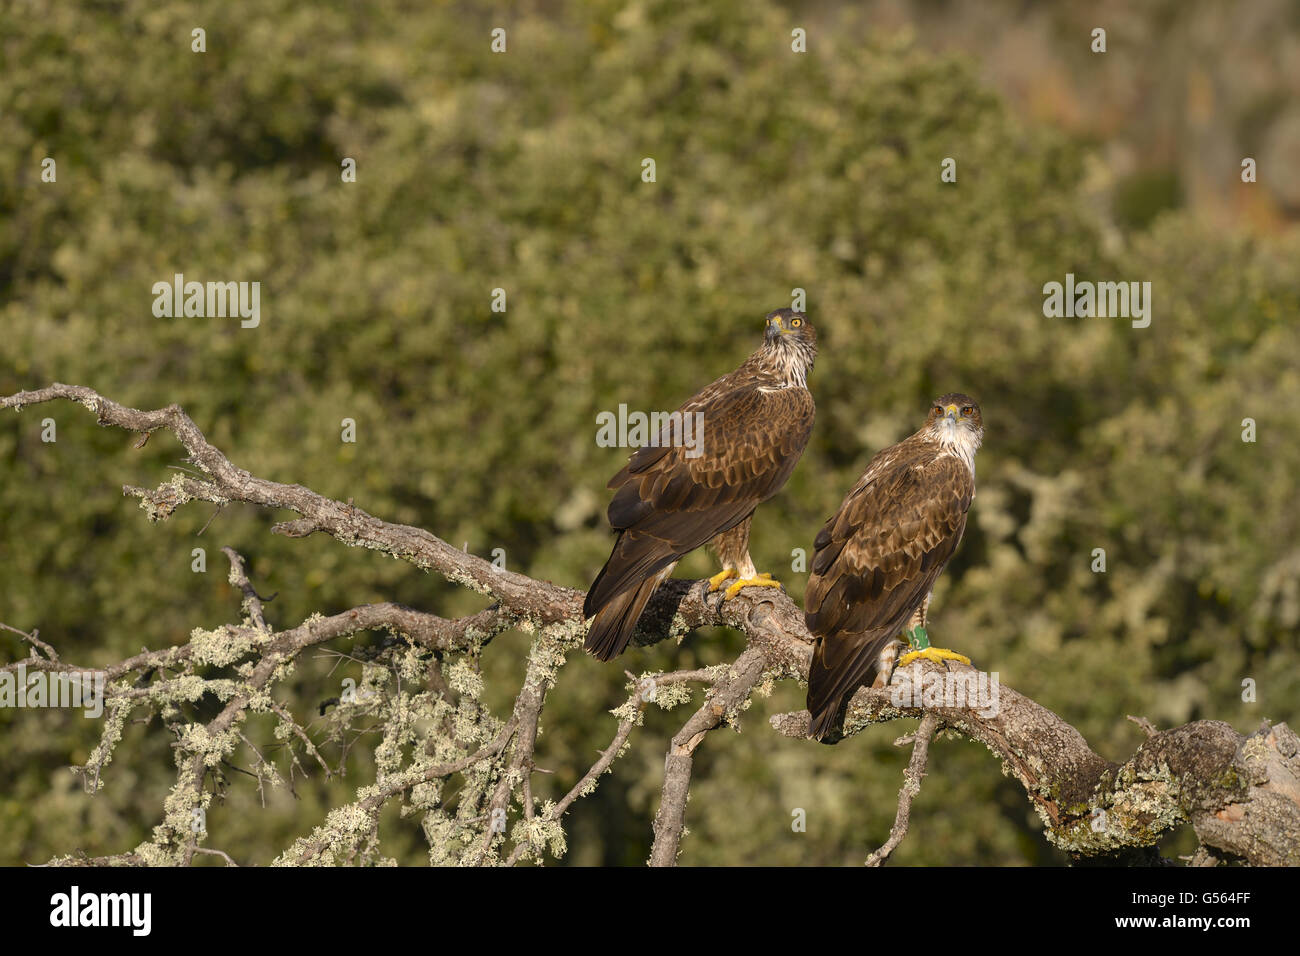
[(763, 580), (935, 654), (726, 574)]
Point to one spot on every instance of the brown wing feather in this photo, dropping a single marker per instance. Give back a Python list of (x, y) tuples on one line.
[(666, 503), (751, 442), (875, 561)]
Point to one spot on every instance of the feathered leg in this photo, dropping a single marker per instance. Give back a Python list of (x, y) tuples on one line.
[(733, 550)]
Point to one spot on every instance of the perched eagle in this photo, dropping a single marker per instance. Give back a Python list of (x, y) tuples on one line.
[(670, 499), (876, 560)]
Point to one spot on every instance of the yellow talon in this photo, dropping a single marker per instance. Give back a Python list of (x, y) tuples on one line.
[(757, 581), (935, 654), (725, 574)]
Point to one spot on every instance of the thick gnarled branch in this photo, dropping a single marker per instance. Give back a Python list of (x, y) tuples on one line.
[(1242, 794)]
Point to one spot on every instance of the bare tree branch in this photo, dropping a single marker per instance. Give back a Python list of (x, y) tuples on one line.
[(1242, 795), (911, 787), (34, 639)]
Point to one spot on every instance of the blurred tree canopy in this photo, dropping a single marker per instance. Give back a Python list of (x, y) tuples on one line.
[(522, 171)]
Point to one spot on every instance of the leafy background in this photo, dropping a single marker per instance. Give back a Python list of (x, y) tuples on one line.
[(775, 171)]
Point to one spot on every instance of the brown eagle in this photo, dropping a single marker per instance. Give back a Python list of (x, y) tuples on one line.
[(670, 498), (876, 560)]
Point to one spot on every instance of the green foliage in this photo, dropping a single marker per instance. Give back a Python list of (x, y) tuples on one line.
[(523, 171)]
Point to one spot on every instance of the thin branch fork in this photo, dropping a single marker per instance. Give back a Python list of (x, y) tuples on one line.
[(727, 697)]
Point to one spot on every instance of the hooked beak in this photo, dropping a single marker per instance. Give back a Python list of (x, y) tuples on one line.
[(951, 412)]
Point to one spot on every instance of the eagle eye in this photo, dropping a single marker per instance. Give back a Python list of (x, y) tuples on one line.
[(796, 323), (968, 411)]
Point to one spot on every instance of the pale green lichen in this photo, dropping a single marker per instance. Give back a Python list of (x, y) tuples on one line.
[(464, 679), (115, 714), (218, 647), (199, 740), (541, 831), (429, 715)]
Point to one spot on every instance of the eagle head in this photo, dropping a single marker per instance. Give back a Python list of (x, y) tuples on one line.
[(789, 345), (784, 322), (955, 419)]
